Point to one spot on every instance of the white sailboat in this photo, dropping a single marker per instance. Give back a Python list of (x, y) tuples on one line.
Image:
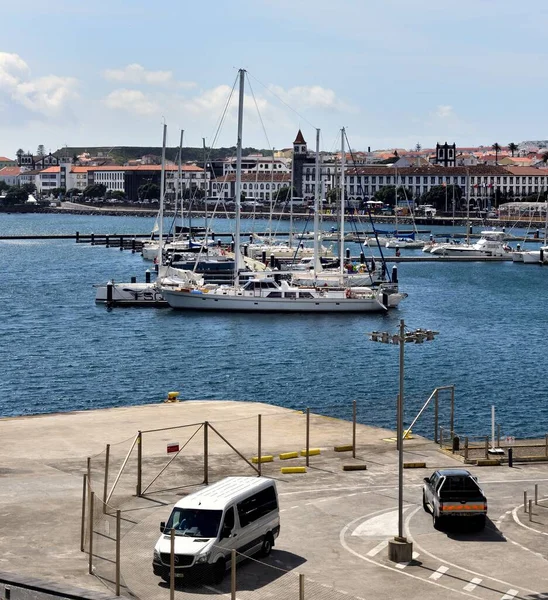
[(403, 240), (365, 275), (263, 293), (148, 293)]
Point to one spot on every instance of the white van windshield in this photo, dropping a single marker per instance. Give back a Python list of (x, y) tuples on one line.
[(195, 522)]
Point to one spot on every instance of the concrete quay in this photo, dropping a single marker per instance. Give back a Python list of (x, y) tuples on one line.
[(336, 525)]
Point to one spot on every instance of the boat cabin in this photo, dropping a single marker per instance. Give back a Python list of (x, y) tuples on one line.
[(268, 288)]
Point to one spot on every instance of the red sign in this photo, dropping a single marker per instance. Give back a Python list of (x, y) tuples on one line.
[(173, 447)]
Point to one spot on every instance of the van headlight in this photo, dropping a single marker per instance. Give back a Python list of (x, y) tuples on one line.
[(202, 558), (157, 557)]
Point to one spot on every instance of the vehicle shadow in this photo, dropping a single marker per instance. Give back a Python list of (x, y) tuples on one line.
[(464, 531), (251, 574)]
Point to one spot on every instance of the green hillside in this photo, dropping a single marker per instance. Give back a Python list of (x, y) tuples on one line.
[(122, 154)]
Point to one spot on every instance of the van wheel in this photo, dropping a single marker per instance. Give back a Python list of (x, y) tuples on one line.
[(268, 542), (218, 571)]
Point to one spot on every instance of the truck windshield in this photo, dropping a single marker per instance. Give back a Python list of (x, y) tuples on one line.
[(461, 487), (195, 522)]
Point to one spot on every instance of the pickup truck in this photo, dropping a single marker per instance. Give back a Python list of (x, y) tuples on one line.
[(454, 493)]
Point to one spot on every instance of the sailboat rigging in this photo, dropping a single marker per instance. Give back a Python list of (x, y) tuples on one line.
[(264, 292)]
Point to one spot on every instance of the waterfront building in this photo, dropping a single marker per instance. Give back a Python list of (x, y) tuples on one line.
[(28, 176), (7, 162), (48, 179), (257, 164), (255, 186), (10, 175)]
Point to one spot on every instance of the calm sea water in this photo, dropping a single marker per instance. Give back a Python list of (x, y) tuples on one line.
[(61, 352)]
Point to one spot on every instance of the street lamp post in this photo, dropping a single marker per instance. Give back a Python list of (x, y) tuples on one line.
[(399, 549)]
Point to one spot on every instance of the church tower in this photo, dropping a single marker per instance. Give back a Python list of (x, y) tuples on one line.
[(446, 154), (300, 154)]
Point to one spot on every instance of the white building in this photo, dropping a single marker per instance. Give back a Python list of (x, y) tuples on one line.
[(10, 175), (258, 164), (48, 179), (192, 178), (255, 186)]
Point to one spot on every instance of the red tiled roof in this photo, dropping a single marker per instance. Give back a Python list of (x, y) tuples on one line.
[(6, 159), (524, 171), (51, 170), (299, 139), (10, 171), (192, 168)]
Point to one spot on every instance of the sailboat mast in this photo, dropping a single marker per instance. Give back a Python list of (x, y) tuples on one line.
[(467, 208), (162, 191), (341, 226), (180, 186), (205, 195), (238, 193), (396, 199), (317, 189)]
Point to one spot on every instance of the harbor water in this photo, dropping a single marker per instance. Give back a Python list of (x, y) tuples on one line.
[(62, 353)]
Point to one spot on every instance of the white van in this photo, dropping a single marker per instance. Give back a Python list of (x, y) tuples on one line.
[(238, 513)]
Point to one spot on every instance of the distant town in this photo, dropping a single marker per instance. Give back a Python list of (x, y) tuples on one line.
[(442, 177)]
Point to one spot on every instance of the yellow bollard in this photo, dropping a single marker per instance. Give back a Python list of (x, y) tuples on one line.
[(172, 397), (287, 455), (287, 470), (311, 452), (264, 459)]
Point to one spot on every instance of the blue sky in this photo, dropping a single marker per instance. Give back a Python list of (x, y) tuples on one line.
[(393, 72)]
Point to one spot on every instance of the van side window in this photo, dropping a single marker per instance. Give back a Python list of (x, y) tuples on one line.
[(257, 506), (229, 520)]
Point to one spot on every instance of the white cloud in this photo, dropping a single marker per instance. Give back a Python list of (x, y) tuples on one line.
[(132, 101), (445, 111), (45, 95), (314, 96), (137, 74)]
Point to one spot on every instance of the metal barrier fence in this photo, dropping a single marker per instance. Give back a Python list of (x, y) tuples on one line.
[(154, 468), (473, 448), (101, 539)]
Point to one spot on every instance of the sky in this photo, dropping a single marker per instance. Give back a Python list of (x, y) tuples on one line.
[(394, 73)]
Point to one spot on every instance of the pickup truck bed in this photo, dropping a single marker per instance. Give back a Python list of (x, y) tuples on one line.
[(453, 493)]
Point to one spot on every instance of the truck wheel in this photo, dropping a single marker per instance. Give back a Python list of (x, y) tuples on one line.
[(424, 503)]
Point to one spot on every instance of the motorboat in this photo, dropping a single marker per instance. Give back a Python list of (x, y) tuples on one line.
[(145, 293), (491, 243), (401, 242), (536, 257)]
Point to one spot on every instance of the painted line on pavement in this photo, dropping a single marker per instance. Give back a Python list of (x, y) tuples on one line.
[(378, 548), (442, 560), (344, 544), (439, 572), (510, 595), (469, 587)]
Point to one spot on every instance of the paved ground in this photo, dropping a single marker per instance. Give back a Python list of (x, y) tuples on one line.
[(335, 525)]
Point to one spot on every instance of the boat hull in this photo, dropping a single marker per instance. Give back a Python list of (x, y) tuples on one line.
[(131, 294), (193, 300)]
